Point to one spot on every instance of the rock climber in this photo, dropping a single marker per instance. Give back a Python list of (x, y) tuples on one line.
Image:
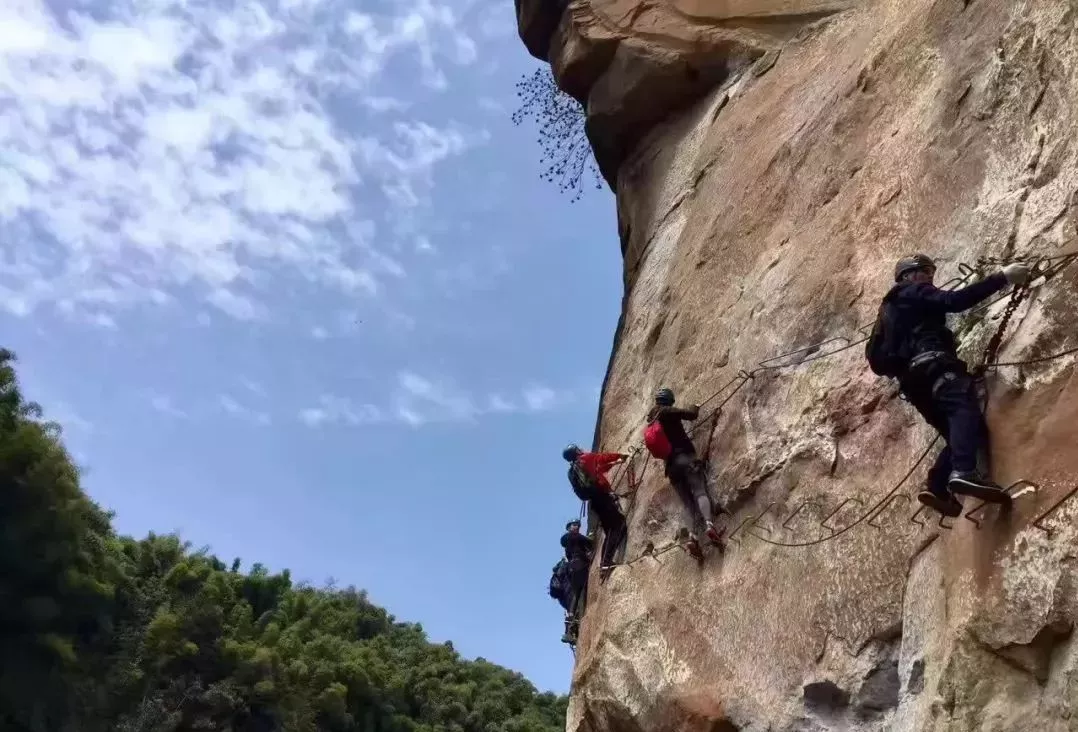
[(578, 548), (666, 438), (587, 474), (911, 342)]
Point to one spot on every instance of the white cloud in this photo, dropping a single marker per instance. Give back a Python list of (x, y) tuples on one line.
[(419, 28), (319, 333), (410, 417), (540, 398), (233, 408), (253, 386), (498, 22), (339, 410), (419, 400), (491, 105), (163, 404), (406, 162), (384, 104), (238, 306), (498, 404), (187, 146)]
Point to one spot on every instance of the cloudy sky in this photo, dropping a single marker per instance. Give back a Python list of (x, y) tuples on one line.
[(287, 274)]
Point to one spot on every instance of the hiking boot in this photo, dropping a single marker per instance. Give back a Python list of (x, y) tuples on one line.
[(948, 506), (571, 640), (693, 547), (973, 484)]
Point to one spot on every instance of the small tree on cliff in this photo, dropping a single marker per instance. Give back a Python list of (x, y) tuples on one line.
[(567, 156)]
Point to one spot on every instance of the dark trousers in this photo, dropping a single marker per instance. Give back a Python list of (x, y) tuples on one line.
[(947, 398), (605, 506), (686, 474), (578, 583)]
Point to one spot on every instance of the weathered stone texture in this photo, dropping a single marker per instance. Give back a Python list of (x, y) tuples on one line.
[(771, 161)]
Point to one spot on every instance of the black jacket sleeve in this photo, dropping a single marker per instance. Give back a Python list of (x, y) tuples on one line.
[(953, 301), (684, 414)]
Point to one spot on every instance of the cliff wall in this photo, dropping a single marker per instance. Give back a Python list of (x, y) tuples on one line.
[(771, 160)]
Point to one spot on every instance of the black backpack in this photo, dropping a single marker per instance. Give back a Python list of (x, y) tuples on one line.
[(887, 348), (559, 580), (583, 485)]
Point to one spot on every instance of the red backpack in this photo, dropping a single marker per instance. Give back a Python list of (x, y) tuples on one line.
[(655, 440)]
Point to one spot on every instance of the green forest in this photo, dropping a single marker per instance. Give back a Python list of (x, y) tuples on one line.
[(106, 632)]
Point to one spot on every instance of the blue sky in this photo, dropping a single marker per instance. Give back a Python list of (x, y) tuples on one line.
[(287, 274)]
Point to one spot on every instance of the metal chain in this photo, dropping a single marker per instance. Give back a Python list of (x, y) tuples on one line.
[(991, 351)]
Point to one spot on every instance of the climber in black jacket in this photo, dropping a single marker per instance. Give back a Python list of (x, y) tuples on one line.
[(578, 549), (935, 380), (684, 469)]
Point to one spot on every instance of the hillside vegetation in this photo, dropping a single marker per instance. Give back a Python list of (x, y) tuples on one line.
[(104, 632)]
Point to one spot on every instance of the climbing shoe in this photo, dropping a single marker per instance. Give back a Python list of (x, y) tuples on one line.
[(715, 535), (973, 484), (948, 506)]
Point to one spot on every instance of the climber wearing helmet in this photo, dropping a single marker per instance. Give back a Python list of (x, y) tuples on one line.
[(578, 549), (666, 438), (587, 475), (575, 544), (911, 342)]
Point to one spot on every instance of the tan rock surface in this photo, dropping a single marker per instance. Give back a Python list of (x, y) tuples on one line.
[(765, 217)]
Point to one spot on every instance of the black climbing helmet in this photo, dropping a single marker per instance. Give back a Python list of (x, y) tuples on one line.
[(664, 397), (574, 522), (912, 263), (571, 453)]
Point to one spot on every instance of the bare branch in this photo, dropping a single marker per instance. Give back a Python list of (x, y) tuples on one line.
[(567, 157)]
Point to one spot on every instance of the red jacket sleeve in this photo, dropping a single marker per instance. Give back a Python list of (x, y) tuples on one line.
[(596, 466), (606, 460)]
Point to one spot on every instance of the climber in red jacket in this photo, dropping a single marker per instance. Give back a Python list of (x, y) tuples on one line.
[(587, 475), (598, 464)]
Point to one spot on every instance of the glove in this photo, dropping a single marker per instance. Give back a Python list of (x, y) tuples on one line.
[(1016, 274)]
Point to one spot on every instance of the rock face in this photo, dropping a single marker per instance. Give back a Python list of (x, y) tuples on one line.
[(771, 161)]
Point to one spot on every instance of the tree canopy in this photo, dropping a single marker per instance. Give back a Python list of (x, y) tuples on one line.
[(105, 632)]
